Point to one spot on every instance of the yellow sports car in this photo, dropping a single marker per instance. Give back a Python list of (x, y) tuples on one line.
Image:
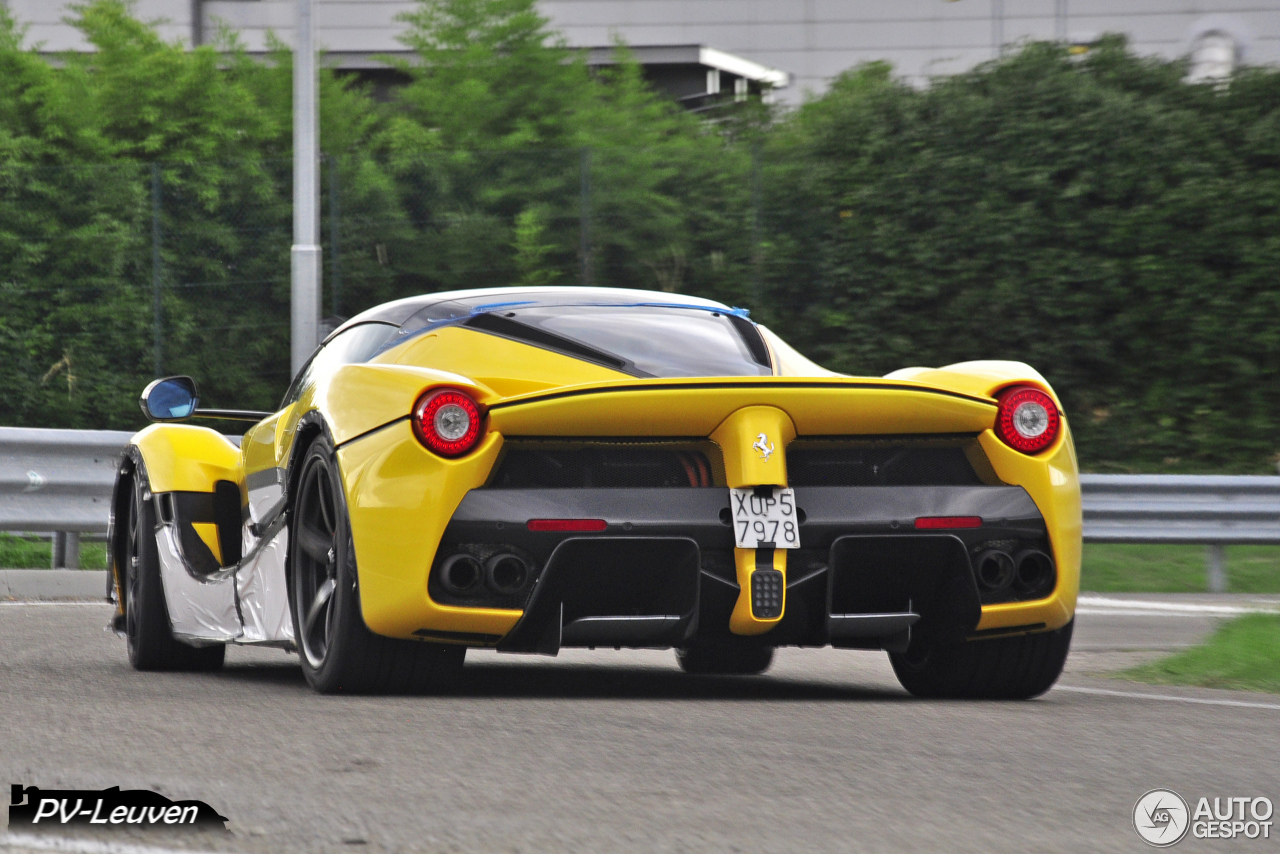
[(530, 469)]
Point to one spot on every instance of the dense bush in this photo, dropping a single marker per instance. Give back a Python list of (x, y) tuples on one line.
[(1096, 217)]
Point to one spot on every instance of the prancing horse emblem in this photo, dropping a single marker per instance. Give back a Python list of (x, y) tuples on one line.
[(763, 446)]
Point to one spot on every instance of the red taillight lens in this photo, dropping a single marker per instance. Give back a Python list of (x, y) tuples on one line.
[(567, 524), (1027, 420), (447, 421), (931, 523)]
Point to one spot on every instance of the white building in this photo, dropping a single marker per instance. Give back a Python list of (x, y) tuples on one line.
[(757, 41)]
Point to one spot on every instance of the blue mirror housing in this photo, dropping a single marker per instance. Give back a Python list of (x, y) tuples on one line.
[(170, 399)]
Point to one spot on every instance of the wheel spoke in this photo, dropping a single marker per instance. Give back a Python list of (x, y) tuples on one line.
[(316, 544), (132, 570), (135, 520), (319, 604), (325, 500)]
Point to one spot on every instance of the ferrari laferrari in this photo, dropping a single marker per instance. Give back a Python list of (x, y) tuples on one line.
[(531, 469)]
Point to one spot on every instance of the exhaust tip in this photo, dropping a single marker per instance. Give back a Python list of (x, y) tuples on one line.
[(994, 569), (460, 574), (1034, 573), (505, 574)]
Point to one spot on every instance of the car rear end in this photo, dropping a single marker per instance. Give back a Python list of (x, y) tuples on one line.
[(658, 512)]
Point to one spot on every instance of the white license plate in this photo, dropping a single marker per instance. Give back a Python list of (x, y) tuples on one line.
[(765, 518)]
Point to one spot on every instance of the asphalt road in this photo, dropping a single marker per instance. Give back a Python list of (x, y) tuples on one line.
[(610, 751)]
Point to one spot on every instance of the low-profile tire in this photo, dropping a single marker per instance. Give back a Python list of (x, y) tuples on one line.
[(148, 631), (721, 658), (339, 653), (1010, 668)]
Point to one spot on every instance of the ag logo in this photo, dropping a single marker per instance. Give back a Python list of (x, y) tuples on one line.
[(1161, 817), (764, 446)]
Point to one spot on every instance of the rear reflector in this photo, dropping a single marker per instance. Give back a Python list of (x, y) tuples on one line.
[(567, 524), (934, 522)]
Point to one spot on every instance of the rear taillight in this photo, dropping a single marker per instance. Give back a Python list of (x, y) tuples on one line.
[(565, 525), (1027, 420), (930, 523), (447, 421)]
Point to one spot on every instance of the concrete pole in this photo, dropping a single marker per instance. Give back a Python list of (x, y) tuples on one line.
[(305, 255), (997, 28)]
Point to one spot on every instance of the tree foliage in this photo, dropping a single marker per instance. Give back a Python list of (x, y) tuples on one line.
[(1097, 218), (1094, 216)]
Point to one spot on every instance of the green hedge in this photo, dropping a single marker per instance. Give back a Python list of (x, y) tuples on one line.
[(1096, 217)]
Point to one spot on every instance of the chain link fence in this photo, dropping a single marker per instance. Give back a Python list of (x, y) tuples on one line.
[(116, 273)]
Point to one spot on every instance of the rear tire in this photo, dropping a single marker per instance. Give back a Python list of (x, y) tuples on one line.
[(1011, 668), (339, 653), (148, 631), (724, 658)]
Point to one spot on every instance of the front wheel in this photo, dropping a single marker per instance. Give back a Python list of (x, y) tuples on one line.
[(152, 645), (1010, 668), (338, 651)]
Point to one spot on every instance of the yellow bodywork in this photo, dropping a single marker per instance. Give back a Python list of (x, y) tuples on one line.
[(182, 458), (401, 496)]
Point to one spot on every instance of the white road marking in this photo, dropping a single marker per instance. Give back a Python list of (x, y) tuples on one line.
[(1098, 605), (1168, 698), (83, 846), (1116, 612), (62, 603)]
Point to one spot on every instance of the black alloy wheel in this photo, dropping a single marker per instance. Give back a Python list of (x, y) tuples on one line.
[(339, 653), (1009, 668), (148, 632), (315, 561)]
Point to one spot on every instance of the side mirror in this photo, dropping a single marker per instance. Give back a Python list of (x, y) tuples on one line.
[(170, 399)]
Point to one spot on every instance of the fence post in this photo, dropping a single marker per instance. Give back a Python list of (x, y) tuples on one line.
[(584, 213), (157, 318), (71, 553), (59, 550), (335, 230), (1217, 560)]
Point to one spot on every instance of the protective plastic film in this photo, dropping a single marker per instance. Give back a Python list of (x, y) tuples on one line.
[(198, 609), (264, 595)]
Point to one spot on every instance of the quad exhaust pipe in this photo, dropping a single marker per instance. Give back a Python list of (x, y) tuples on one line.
[(504, 574), (1033, 572), (460, 574), (1029, 573), (995, 570)]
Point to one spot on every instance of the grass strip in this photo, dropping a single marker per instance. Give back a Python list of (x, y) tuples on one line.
[(1243, 654), (1156, 568), (37, 553)]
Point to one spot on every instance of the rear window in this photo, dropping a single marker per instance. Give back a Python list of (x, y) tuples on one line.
[(645, 341)]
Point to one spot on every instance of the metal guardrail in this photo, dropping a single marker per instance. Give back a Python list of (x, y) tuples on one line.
[(60, 481), (1209, 510), (1178, 508)]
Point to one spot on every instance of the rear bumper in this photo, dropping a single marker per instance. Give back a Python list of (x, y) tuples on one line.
[(662, 571), (489, 515)]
